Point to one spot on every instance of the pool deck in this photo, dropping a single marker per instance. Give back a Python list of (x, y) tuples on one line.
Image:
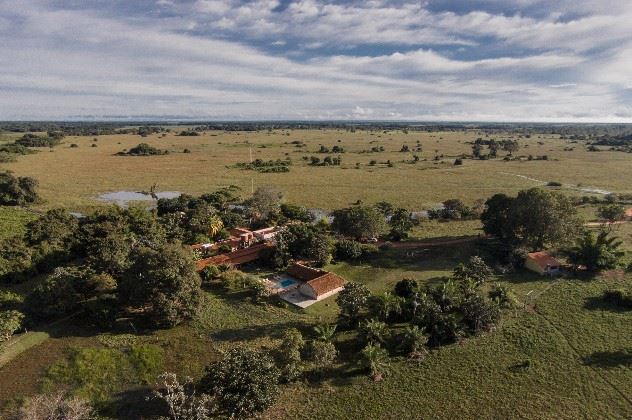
[(298, 299)]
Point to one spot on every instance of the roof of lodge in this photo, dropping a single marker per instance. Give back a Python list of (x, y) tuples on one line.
[(543, 259), (326, 283), (241, 256), (320, 281)]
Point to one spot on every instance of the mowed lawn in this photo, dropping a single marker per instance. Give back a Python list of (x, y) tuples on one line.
[(75, 177)]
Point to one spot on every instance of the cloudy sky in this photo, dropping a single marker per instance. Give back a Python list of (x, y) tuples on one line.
[(478, 60)]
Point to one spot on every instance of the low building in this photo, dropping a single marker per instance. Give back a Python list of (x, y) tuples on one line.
[(542, 263), (266, 234), (315, 285), (628, 214), (235, 258)]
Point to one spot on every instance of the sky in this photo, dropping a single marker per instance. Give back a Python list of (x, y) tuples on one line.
[(434, 60)]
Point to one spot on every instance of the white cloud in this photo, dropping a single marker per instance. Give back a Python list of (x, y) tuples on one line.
[(60, 63)]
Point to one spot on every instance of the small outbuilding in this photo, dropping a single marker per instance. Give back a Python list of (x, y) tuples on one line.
[(542, 263)]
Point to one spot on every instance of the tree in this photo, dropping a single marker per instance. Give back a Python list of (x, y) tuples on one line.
[(215, 225), (300, 240), (374, 331), (15, 260), (53, 236), (475, 272), (54, 406), (385, 306), (10, 322), (375, 359), (325, 332), (535, 219), (406, 288), (182, 400), (348, 250), (611, 212), (478, 313), (400, 222), (413, 340), (58, 294), (358, 222), (596, 252), (289, 354), (244, 383), (352, 299), (163, 283), (265, 202), (17, 191)]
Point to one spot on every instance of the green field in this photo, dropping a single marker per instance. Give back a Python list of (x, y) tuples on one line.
[(75, 177), (578, 350)]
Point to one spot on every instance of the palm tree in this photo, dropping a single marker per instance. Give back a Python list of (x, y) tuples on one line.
[(374, 331), (385, 305), (325, 332), (596, 252), (215, 225), (413, 340), (375, 358)]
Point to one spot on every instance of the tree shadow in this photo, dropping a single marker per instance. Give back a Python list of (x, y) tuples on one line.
[(439, 258), (135, 403), (609, 359), (596, 303)]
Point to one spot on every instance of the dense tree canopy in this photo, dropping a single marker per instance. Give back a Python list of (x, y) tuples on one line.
[(17, 191), (359, 222), (536, 218), (163, 283)]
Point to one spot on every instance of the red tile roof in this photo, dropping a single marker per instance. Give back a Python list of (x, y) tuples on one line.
[(303, 272), (241, 256), (543, 259), (326, 283)]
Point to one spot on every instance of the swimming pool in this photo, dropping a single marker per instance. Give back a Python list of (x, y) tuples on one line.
[(284, 282)]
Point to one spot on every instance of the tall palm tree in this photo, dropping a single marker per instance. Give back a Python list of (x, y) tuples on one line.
[(215, 225), (597, 252)]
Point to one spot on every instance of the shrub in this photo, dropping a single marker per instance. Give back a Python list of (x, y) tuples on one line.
[(322, 354), (618, 297), (375, 359), (17, 191), (406, 288), (54, 406)]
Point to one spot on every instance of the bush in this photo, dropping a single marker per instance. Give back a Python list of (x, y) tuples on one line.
[(503, 296), (54, 406), (406, 288), (143, 149)]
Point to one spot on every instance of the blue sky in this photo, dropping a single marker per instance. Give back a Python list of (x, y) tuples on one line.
[(476, 60)]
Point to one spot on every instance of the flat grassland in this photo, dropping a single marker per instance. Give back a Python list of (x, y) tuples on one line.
[(74, 177), (562, 353)]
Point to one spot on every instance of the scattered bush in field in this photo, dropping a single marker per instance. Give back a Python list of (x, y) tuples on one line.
[(289, 355), (458, 162), (33, 140), (322, 354), (267, 167), (406, 288), (554, 184), (143, 149)]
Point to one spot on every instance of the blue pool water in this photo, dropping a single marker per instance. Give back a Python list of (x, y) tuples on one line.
[(285, 282)]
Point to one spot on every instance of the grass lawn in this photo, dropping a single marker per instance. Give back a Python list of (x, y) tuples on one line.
[(13, 221)]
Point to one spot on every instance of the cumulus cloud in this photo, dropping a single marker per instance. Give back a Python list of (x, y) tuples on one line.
[(308, 59)]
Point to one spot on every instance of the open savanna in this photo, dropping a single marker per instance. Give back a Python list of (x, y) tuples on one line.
[(75, 177)]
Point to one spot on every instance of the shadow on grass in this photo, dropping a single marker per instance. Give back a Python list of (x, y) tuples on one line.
[(438, 258), (136, 403), (609, 359), (599, 303)]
